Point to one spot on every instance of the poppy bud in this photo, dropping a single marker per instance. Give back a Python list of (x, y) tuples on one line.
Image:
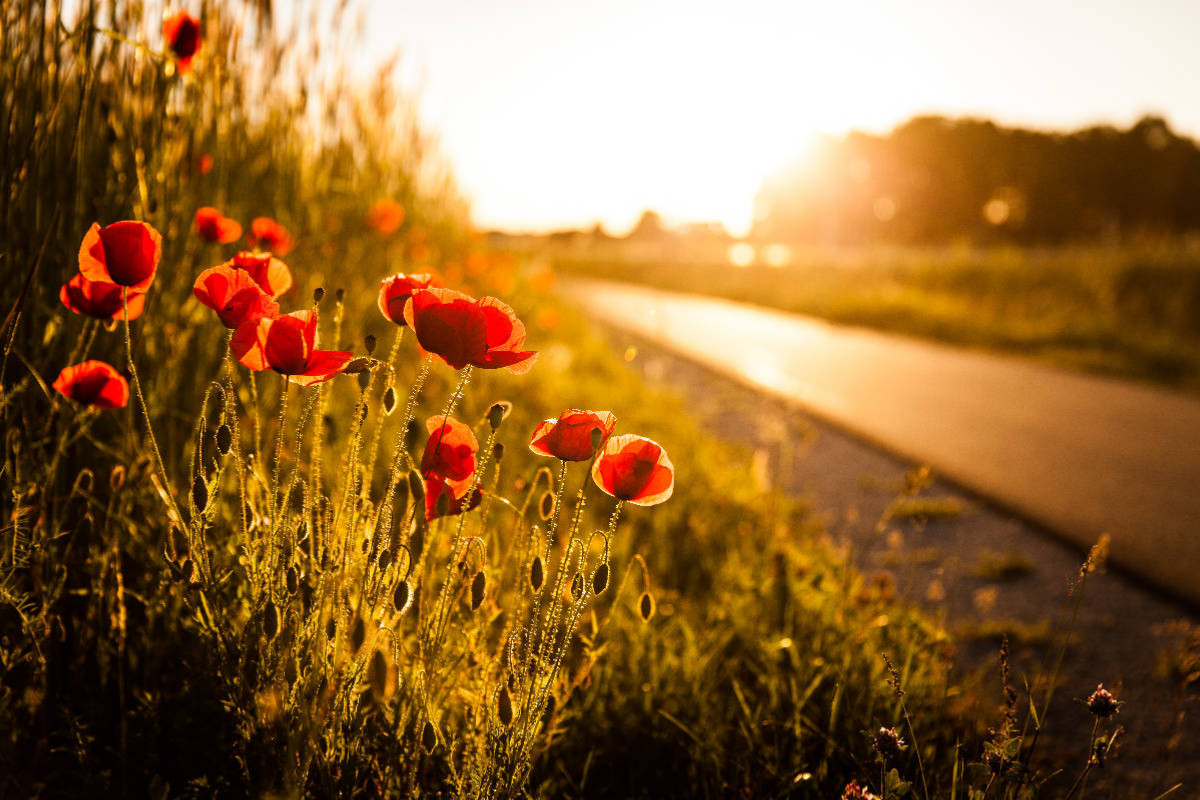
[(356, 365), (224, 439), (504, 706), (498, 412), (385, 558), (364, 380), (339, 295), (646, 606), (270, 620), (318, 294), (546, 505), (577, 587), (429, 738), (292, 579), (188, 569), (389, 400), (443, 504), (330, 628), (537, 574), (498, 452), (369, 343), (358, 635), (478, 585), (199, 493), (600, 579), (116, 478), (402, 597)]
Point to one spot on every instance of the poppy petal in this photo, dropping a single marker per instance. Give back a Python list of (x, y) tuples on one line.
[(322, 365)]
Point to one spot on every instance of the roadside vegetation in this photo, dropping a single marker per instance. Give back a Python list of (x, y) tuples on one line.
[(1126, 311), (256, 542)]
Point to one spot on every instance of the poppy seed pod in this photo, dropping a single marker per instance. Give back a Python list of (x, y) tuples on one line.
[(369, 343), (429, 737), (389, 400), (498, 452), (318, 295), (577, 587), (358, 634), (497, 413)]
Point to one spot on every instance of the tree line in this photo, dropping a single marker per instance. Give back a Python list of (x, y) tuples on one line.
[(935, 179)]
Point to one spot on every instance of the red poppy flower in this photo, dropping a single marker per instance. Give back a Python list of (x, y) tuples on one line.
[(99, 299), (206, 163), (395, 291), (216, 228), (570, 436), (267, 234), (385, 215), (234, 295), (182, 34), (268, 272), (93, 383), (450, 451), (124, 253), (287, 344), (636, 469), (463, 330), (436, 487)]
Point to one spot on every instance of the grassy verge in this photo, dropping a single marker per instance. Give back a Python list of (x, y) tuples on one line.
[(1129, 312)]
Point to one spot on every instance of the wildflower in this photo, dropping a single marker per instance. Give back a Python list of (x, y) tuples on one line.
[(570, 437), (93, 383), (463, 330), (206, 163), (636, 469), (99, 299), (887, 744), (450, 451), (125, 253), (1102, 704), (287, 344), (385, 215), (856, 791), (234, 295), (448, 466), (182, 35), (267, 271), (395, 290), (267, 234), (214, 227)]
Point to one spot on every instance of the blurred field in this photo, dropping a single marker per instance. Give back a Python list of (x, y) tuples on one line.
[(1126, 311)]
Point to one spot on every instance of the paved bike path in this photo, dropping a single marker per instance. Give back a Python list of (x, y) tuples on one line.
[(1084, 455)]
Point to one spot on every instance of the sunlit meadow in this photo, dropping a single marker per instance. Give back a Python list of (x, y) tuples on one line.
[(307, 493)]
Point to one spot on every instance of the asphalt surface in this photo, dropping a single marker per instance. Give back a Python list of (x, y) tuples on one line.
[(1082, 455)]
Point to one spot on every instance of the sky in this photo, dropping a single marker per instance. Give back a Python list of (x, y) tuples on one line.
[(565, 113)]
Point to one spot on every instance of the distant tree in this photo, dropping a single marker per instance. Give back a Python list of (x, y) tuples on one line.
[(649, 226)]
